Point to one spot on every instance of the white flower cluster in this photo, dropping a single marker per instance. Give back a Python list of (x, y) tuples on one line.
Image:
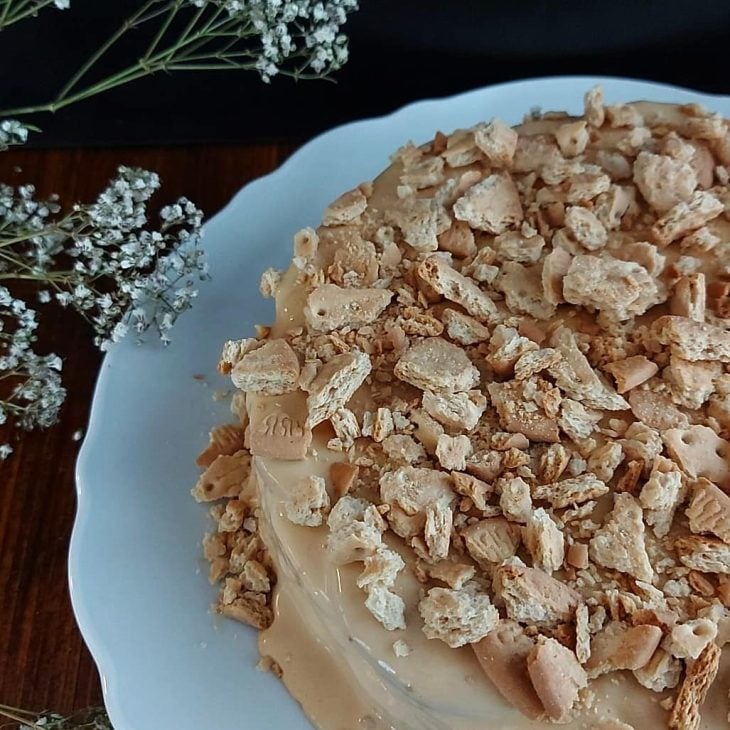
[(102, 260), (303, 31), (33, 382), (12, 132)]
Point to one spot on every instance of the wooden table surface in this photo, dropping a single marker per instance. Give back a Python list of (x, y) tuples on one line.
[(44, 663)]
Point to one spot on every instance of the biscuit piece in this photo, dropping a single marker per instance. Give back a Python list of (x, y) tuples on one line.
[(604, 460), (345, 209), (556, 676), (307, 502), (272, 369), (330, 307), (387, 608), (656, 409), (660, 495), (421, 220), (226, 439), (577, 421), (404, 449), (709, 510), (577, 555), (248, 611), (278, 426), (572, 138), (423, 173), (554, 268), (437, 365), (689, 298), (517, 416), (593, 106), (576, 378), (458, 240), (663, 180), (585, 227), (334, 385), (686, 711), (455, 575), (414, 489), (346, 427), (706, 554), (492, 540), (582, 632), (689, 639), (453, 451), (226, 476), (692, 340), (515, 246), (619, 543), (355, 530), (460, 411), (457, 288), (515, 501), (532, 596), (700, 452), (661, 672), (691, 383), (574, 490), (502, 655), (343, 476), (233, 352), (476, 489), (619, 289), (506, 347), (535, 361), (492, 205), (553, 462), (618, 646), (382, 567), (497, 141), (631, 372), (684, 217), (523, 291), (464, 329), (544, 541), (457, 617)]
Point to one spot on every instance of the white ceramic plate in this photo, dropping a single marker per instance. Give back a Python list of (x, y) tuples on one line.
[(138, 584)]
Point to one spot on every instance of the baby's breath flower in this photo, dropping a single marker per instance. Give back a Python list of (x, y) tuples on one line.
[(94, 718), (62, 4), (305, 30), (12, 132), (32, 391), (102, 260), (5, 451)]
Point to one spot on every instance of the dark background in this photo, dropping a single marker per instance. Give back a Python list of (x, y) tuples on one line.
[(401, 50)]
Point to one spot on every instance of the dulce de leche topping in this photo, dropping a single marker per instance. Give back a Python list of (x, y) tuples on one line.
[(482, 455)]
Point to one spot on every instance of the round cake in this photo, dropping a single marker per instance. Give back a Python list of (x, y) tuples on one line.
[(479, 475)]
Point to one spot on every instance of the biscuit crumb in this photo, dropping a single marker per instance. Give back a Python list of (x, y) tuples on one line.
[(401, 648), (307, 502), (457, 617)]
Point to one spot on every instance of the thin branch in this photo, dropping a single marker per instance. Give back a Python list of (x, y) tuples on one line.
[(126, 25)]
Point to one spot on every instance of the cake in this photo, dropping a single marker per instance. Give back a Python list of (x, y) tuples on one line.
[(480, 472)]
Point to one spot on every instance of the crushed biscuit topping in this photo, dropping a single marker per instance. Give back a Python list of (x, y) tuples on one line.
[(513, 349)]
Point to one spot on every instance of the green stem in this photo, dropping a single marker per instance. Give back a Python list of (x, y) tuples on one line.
[(163, 28), (145, 66), (5, 242), (7, 19), (125, 26), (14, 713), (209, 66)]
